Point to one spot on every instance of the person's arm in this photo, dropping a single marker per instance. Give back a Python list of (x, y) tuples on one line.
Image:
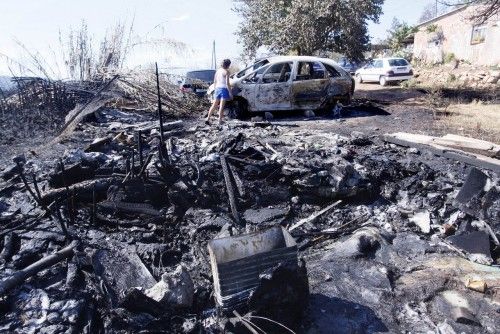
[(228, 85), (215, 79)]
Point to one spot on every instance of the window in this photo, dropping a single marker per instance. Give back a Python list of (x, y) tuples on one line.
[(207, 76), (332, 72), (398, 62), (478, 34), (278, 73), (251, 68), (378, 64), (433, 43), (253, 78), (310, 71)]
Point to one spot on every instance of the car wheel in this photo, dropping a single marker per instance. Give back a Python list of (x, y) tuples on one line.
[(237, 109), (383, 81), (359, 79), (346, 100)]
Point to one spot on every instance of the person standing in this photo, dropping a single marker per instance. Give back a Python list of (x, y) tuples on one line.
[(222, 91)]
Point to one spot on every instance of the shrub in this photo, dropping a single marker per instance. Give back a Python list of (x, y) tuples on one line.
[(431, 28), (408, 84), (451, 78), (449, 57), (81, 59)]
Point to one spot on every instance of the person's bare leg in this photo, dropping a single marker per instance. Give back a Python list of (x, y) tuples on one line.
[(212, 108), (221, 110)]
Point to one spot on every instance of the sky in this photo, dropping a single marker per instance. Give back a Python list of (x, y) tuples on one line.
[(37, 24)]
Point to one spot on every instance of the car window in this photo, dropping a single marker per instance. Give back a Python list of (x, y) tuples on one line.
[(398, 62), (332, 72), (207, 76), (251, 68), (378, 64), (310, 71), (278, 73), (255, 77)]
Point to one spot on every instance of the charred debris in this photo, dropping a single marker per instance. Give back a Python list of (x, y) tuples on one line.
[(121, 225)]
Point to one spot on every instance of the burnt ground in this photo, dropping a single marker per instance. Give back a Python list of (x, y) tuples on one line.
[(390, 258), (376, 110)]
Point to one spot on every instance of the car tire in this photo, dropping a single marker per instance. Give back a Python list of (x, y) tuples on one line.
[(383, 81), (237, 109), (359, 79), (346, 100)]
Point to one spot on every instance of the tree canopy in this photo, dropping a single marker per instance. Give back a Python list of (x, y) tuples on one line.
[(431, 10), (488, 9), (307, 27), (397, 35)]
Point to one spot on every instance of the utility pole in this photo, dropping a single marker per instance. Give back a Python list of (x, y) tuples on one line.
[(160, 114), (214, 58)]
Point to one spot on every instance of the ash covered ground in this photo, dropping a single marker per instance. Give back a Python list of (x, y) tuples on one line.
[(130, 227)]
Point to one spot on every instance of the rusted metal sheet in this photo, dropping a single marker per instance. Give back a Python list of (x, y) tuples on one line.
[(238, 261)]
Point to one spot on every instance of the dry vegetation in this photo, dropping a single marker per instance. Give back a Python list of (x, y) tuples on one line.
[(80, 56), (475, 119), (461, 108)]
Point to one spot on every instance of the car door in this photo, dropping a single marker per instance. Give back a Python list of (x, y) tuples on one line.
[(274, 88), (310, 85), (247, 87), (378, 70), (367, 71), (340, 85)]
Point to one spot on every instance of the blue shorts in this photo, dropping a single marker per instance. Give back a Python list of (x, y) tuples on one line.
[(221, 94)]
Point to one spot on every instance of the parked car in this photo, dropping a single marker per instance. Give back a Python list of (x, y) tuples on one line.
[(197, 82), (289, 83), (385, 70), (349, 66)]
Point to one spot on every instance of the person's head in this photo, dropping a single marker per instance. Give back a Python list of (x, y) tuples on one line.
[(225, 64)]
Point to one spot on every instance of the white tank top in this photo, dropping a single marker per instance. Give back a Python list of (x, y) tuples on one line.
[(220, 77)]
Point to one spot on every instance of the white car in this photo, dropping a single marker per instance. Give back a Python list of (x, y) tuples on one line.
[(289, 83), (384, 70)]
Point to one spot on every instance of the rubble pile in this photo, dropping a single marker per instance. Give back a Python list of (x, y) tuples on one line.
[(36, 107), (459, 74), (113, 235)]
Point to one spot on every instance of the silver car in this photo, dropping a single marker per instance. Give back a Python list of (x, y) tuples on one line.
[(289, 83), (385, 70)]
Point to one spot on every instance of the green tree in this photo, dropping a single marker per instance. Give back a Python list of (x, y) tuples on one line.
[(307, 27), (398, 34)]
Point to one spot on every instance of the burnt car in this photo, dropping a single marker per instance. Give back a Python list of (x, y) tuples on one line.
[(197, 82), (289, 83)]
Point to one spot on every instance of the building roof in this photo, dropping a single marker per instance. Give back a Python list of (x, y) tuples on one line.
[(437, 18)]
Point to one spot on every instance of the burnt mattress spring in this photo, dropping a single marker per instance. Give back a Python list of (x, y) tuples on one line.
[(237, 263)]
